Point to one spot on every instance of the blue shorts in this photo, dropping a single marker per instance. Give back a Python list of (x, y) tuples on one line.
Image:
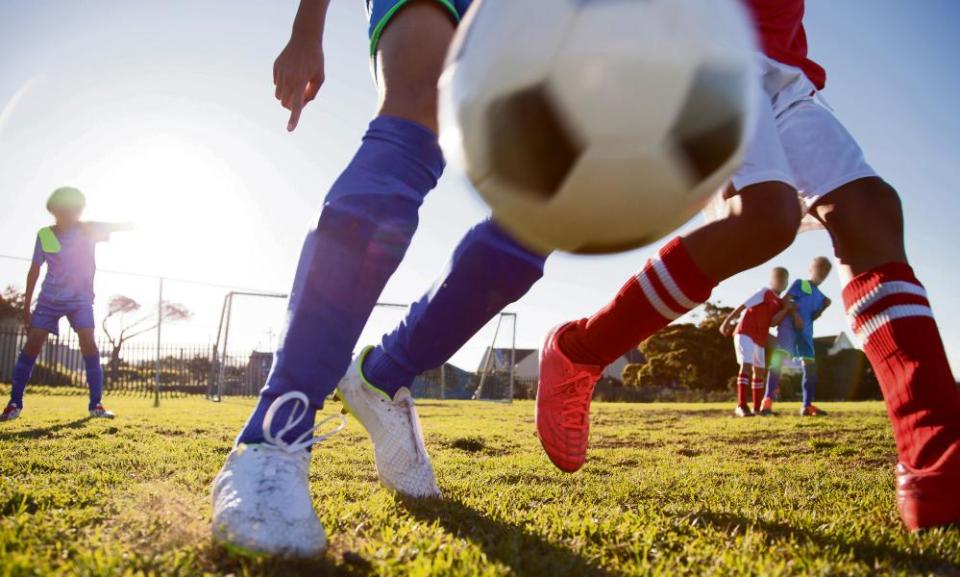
[(797, 344), (46, 315), (380, 12)]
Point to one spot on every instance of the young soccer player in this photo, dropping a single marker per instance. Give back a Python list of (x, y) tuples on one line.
[(261, 499), (760, 312), (799, 147), (795, 337), (68, 249)]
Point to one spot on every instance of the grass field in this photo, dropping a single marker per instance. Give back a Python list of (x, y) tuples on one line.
[(668, 490)]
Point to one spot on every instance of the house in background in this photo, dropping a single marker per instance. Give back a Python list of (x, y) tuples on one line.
[(829, 346), (843, 372)]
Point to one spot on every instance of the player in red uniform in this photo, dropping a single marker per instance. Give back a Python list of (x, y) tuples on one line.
[(799, 147), (760, 312)]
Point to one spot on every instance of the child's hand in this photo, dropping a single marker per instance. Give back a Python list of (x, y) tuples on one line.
[(298, 74), (726, 329)]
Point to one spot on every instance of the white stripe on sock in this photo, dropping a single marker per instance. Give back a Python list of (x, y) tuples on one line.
[(667, 279), (893, 313), (882, 290), (651, 293)]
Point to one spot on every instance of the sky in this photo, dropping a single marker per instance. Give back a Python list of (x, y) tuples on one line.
[(163, 113)]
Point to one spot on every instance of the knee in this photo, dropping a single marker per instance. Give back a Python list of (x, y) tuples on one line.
[(33, 348), (89, 349), (772, 214), (490, 234), (865, 207), (412, 100), (865, 220)]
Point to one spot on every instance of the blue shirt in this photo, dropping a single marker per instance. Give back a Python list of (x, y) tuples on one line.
[(809, 301), (71, 265)]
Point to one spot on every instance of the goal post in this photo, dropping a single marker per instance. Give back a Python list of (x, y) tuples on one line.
[(219, 360), (483, 369)]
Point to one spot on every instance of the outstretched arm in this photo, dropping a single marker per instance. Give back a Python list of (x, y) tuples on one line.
[(298, 72), (120, 226), (101, 231)]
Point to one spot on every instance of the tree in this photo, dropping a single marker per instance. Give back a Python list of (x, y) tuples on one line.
[(11, 303), (693, 356), (126, 320)]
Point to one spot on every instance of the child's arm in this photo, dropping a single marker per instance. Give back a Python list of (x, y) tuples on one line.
[(120, 226), (785, 308), (32, 275), (826, 303), (798, 321), (101, 231), (729, 323)]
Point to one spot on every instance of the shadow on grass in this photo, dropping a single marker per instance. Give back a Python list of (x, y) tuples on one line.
[(228, 563), (526, 553), (40, 432), (865, 552)]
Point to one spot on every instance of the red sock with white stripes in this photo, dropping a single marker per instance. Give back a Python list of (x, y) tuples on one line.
[(667, 287), (743, 389), (759, 387), (891, 316)]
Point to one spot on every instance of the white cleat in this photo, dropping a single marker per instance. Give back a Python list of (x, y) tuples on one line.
[(261, 497), (100, 412), (402, 461), (10, 413)]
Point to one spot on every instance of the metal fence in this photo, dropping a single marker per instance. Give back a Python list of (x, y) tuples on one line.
[(183, 369), (141, 368), (223, 343)]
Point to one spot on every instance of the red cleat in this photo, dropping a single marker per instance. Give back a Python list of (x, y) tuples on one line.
[(928, 498), (563, 404)]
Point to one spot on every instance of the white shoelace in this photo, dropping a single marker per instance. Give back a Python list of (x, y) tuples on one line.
[(305, 440)]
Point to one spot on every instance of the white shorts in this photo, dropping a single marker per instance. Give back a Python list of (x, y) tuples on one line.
[(798, 141), (749, 352)]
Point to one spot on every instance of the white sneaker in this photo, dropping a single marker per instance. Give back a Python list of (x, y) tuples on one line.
[(402, 461), (10, 413), (100, 412), (261, 497)]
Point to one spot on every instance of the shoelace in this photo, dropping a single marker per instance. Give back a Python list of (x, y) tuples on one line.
[(305, 440), (418, 441), (577, 402)]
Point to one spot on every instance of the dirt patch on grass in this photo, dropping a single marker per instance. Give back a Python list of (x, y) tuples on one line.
[(157, 518)]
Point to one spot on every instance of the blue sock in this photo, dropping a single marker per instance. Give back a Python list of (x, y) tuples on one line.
[(368, 219), (809, 383), (488, 271), (21, 376), (773, 376), (94, 379)]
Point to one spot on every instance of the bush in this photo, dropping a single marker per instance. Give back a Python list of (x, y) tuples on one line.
[(55, 375)]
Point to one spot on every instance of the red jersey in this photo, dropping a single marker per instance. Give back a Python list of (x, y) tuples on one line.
[(759, 312), (782, 37)]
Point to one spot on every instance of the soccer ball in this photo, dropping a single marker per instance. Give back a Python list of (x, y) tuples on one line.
[(597, 126)]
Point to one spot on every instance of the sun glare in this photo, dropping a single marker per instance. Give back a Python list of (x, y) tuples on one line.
[(179, 194)]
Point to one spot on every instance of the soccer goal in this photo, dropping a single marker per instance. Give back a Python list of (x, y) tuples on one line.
[(251, 324)]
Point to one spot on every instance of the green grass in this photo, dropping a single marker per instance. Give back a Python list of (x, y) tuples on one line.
[(668, 490)]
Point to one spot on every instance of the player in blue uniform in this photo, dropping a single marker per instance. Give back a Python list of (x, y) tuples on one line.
[(795, 337), (368, 219), (68, 249)]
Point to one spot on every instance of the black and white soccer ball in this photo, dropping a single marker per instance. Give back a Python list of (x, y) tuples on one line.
[(597, 126)]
